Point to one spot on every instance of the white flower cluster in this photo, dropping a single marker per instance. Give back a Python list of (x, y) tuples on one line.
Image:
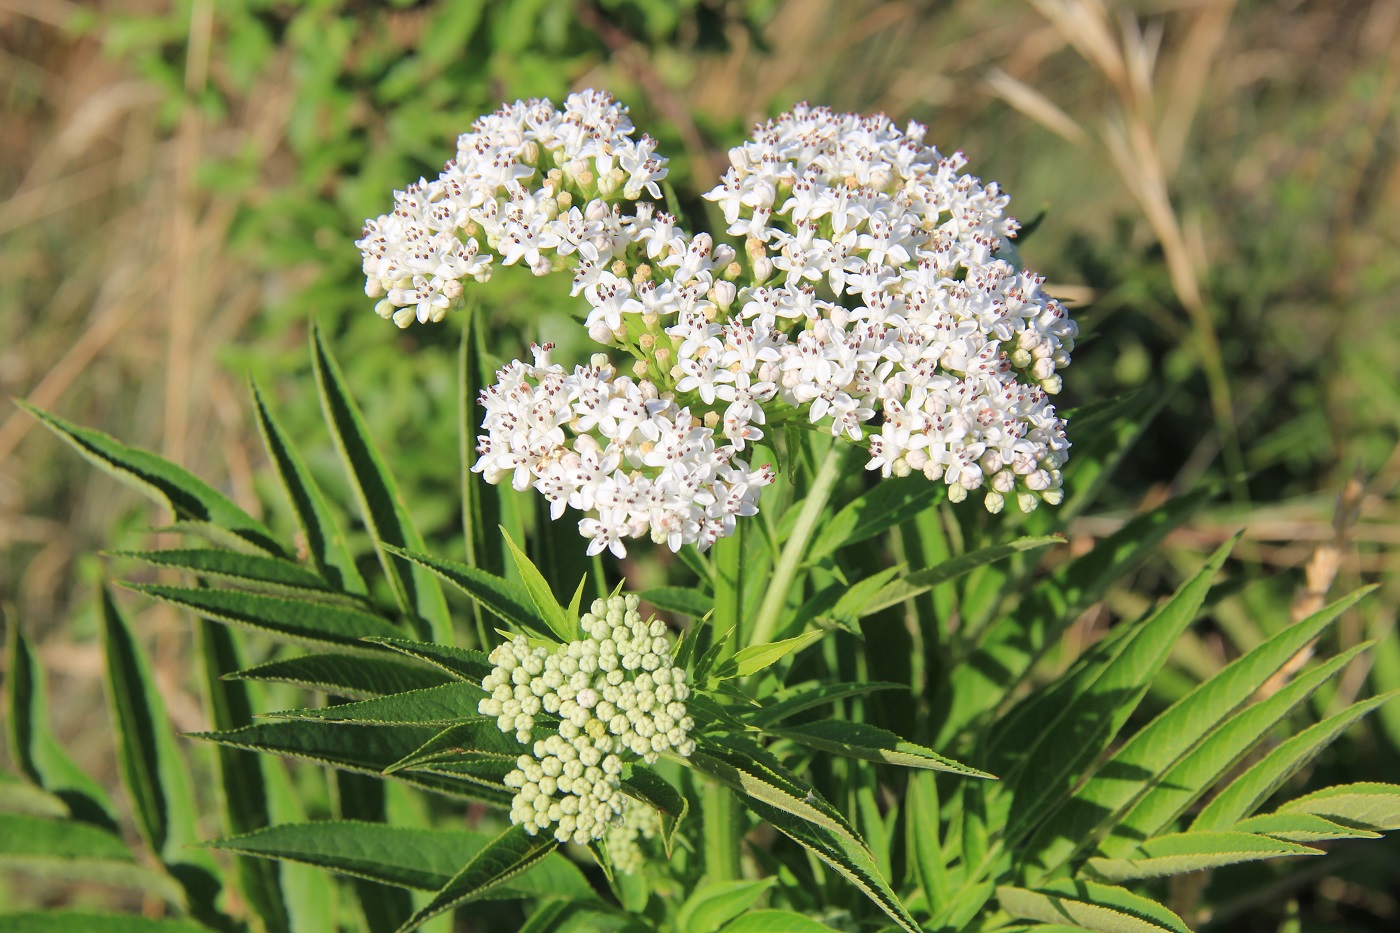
[(616, 450), (615, 693), (530, 182), (639, 822), (870, 298), (878, 303)]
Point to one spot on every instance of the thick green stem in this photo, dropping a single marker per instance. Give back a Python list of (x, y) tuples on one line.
[(785, 570), (719, 807)]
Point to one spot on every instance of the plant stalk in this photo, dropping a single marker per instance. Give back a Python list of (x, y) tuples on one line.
[(719, 807), (785, 570)]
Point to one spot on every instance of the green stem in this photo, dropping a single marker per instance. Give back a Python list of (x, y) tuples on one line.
[(785, 570), (719, 807)]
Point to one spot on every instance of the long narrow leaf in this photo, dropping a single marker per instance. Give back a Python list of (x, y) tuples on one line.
[(1068, 739), (1194, 774), (1161, 743), (1008, 649), (152, 771), (421, 859), (365, 751), (508, 601), (921, 581), (188, 497), (358, 677), (78, 852), (870, 743), (1185, 852), (1251, 789), (312, 624), (432, 706), (461, 663), (1092, 906), (497, 864), (553, 614), (382, 507), (325, 542), (242, 788), (32, 746)]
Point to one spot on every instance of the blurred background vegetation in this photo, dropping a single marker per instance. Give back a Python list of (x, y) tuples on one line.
[(181, 184)]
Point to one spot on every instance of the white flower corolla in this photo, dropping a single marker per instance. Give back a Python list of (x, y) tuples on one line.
[(530, 184), (616, 695), (613, 448)]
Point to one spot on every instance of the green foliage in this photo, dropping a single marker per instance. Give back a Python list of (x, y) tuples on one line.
[(1080, 784)]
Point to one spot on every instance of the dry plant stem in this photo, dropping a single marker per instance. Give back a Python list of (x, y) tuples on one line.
[(182, 290), (785, 570)]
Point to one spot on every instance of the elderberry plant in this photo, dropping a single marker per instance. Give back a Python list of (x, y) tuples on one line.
[(771, 753)]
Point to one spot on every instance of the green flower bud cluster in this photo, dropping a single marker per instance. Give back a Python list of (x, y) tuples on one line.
[(639, 821), (615, 692)]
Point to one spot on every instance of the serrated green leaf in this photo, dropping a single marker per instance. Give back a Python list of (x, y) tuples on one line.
[(1249, 791), (656, 792), (921, 581), (78, 852), (800, 813), (433, 706), (1364, 805), (1120, 781), (32, 746), (152, 771), (325, 542), (243, 790), (796, 699), (497, 864), (754, 658), (381, 505), (889, 503), (714, 903), (421, 859), (365, 751), (553, 614), (1092, 906), (1009, 648), (1301, 827), (296, 621), (1183, 852), (461, 663), (355, 676), (871, 743), (1195, 773), (253, 571), (508, 601), (679, 599), (1050, 759), (478, 738), (775, 921), (187, 497), (72, 921)]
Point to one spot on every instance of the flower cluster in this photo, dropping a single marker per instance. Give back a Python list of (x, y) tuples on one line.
[(530, 182), (878, 308), (871, 297), (639, 822), (631, 460), (615, 693)]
